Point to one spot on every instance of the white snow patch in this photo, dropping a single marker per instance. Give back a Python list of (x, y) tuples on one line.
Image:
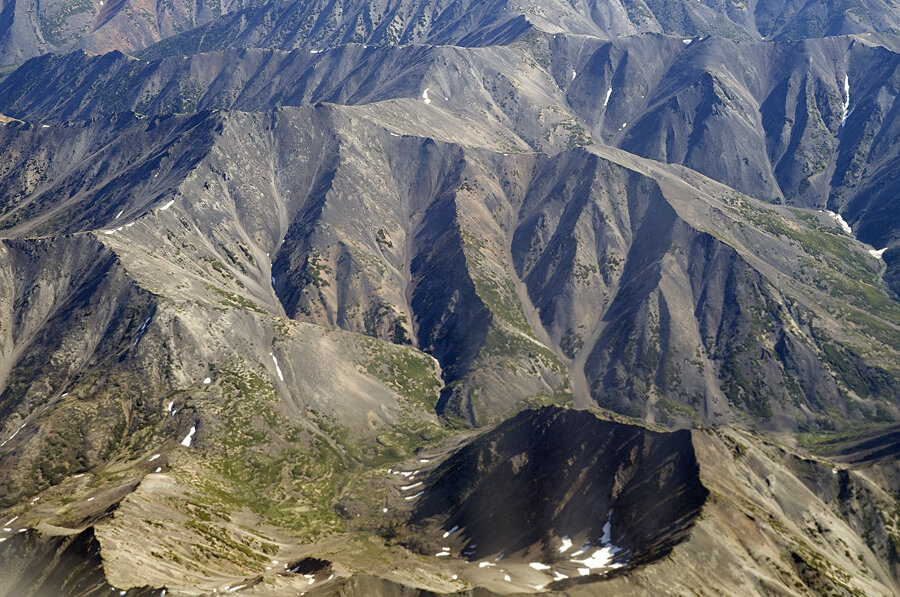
[(408, 487), (486, 564), (574, 74), (846, 99), (7, 529), (167, 205), (45, 126), (118, 215), (559, 576), (109, 232), (186, 442), (443, 553), (623, 125), (154, 457), (158, 469), (584, 571), (424, 460), (566, 544), (608, 94), (90, 499), (140, 333), (277, 368), (2, 539), (412, 497), (601, 558), (507, 578), (384, 510), (687, 42), (394, 135), (21, 530), (314, 51), (406, 474), (207, 381), (425, 96), (840, 220), (451, 531), (14, 434), (233, 589), (877, 254), (539, 566), (11, 520), (64, 394)]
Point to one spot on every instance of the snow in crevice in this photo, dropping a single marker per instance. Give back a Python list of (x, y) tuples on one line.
[(451, 531), (412, 497), (154, 457), (877, 253), (167, 205), (413, 486), (11, 520), (566, 544), (140, 333), (277, 368), (425, 96), (539, 566), (840, 220), (574, 74), (846, 99), (16, 432), (169, 407), (608, 94), (118, 215), (186, 442)]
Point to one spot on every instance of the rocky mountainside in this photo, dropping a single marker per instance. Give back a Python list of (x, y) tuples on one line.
[(424, 297)]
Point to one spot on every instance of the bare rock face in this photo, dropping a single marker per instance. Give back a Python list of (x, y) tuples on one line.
[(558, 486)]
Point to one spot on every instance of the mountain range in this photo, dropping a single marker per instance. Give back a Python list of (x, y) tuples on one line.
[(448, 297)]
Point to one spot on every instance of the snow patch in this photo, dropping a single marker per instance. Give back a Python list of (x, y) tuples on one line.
[(186, 442), (584, 571), (118, 215), (412, 497), (539, 566), (559, 576), (687, 42), (277, 368), (566, 544), (408, 487), (574, 74), (840, 220), (507, 578), (877, 254), (443, 553), (154, 457), (846, 99), (486, 564), (167, 205), (425, 96), (140, 333), (451, 531), (608, 94), (207, 381), (11, 520)]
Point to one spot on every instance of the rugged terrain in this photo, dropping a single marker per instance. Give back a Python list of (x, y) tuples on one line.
[(407, 297)]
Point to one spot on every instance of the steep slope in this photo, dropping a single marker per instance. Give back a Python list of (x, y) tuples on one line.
[(633, 267)]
